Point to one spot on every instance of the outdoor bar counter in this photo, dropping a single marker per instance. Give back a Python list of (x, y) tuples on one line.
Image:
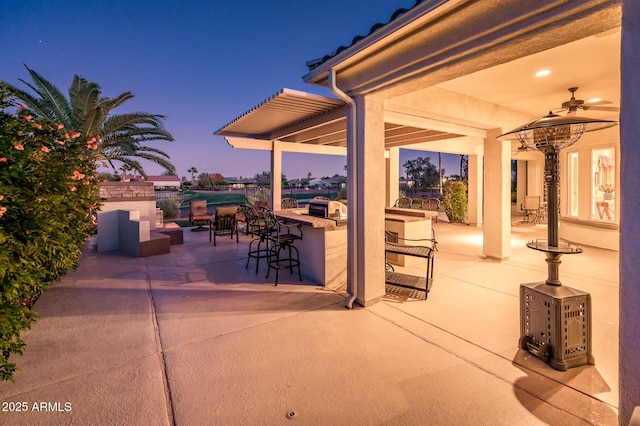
[(323, 248)]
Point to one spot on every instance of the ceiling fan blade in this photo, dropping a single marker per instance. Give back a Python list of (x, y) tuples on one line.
[(604, 108), (598, 103)]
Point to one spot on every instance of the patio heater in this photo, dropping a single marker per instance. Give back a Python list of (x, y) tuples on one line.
[(555, 320)]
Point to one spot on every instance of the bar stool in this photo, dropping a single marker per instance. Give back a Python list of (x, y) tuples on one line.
[(257, 226), (283, 254)]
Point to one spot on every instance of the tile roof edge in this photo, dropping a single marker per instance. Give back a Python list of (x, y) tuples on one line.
[(312, 64)]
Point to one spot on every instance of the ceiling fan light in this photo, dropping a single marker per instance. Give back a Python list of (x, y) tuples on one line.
[(592, 100), (543, 73)]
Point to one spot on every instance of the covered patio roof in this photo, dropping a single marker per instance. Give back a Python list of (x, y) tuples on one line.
[(306, 118)]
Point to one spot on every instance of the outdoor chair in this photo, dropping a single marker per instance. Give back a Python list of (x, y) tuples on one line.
[(289, 203), (258, 227), (432, 205), (531, 207), (250, 218), (403, 203), (198, 213), (224, 222), (282, 253), (258, 204)]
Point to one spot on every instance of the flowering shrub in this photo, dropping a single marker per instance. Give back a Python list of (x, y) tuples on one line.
[(48, 196)]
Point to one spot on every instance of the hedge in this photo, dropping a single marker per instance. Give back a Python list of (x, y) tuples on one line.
[(48, 196), (455, 200)]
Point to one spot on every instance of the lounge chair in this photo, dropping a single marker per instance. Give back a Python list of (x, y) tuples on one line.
[(198, 213)]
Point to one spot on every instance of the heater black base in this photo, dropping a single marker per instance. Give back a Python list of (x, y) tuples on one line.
[(555, 324)]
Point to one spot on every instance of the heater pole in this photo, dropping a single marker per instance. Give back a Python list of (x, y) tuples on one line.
[(552, 177)]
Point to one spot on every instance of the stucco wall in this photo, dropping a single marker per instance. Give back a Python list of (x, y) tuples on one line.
[(137, 196)]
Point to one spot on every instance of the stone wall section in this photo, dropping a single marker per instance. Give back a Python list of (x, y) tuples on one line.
[(133, 191)]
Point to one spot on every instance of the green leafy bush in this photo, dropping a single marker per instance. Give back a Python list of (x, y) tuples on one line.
[(455, 200), (261, 194), (48, 196), (170, 207)]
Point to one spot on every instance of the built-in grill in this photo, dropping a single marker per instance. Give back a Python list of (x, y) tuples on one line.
[(327, 209)]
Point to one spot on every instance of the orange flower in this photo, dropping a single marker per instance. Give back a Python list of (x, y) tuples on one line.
[(1, 197), (3, 210), (44, 148), (20, 133), (77, 175), (28, 117), (3, 159), (75, 135), (73, 188), (37, 125), (19, 147), (59, 126)]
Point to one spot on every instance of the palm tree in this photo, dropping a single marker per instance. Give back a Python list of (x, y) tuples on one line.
[(193, 171), (119, 137)]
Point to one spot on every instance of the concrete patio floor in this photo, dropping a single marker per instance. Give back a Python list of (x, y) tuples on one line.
[(192, 337)]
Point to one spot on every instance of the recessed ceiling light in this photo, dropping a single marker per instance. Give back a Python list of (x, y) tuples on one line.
[(543, 73), (592, 100)]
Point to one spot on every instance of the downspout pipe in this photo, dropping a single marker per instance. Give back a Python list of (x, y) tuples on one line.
[(352, 168)]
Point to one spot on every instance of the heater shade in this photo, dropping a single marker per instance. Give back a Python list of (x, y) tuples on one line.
[(554, 132)]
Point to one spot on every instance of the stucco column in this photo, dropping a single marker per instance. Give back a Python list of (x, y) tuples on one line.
[(475, 190), (535, 177), (629, 219), (393, 176), (276, 175), (497, 195), (370, 186)]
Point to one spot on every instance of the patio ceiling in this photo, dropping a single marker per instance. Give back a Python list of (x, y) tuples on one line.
[(592, 64)]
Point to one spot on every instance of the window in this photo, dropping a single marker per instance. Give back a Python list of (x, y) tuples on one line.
[(573, 181), (603, 184)]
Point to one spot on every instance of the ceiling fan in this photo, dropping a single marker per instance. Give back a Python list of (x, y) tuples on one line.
[(573, 104)]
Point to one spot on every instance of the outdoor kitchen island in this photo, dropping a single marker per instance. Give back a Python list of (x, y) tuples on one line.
[(323, 248)]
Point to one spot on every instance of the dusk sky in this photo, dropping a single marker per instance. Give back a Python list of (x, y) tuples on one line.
[(199, 63)]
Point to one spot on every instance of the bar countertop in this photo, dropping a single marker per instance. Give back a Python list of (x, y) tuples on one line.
[(393, 214), (300, 216)]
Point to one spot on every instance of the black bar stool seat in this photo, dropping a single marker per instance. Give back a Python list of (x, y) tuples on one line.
[(256, 226), (282, 254)]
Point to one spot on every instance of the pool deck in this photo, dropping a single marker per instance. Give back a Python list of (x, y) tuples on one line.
[(192, 337)]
